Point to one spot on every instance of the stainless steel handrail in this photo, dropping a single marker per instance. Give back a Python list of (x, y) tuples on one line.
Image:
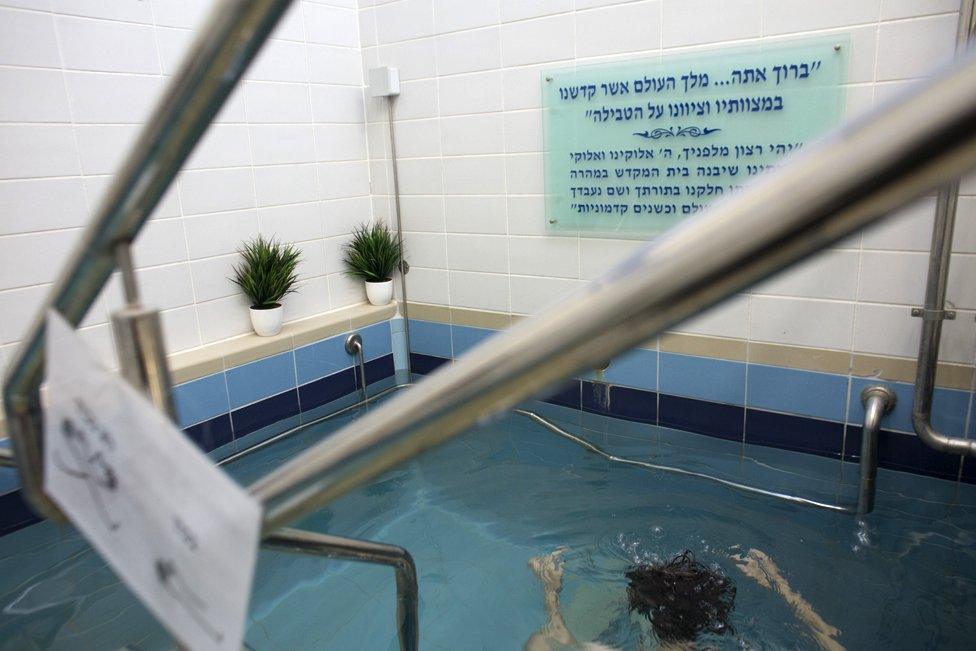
[(828, 191), (936, 284), (363, 551), (877, 401), (232, 36)]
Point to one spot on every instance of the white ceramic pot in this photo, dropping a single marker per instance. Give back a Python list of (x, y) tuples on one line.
[(380, 293), (267, 323)]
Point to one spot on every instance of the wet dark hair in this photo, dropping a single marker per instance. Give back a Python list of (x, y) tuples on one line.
[(682, 598)]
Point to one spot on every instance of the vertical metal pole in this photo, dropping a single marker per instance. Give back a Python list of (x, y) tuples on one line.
[(139, 339), (399, 224), (354, 347), (936, 282)]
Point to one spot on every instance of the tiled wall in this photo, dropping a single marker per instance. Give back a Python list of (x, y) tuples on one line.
[(227, 405), (759, 404), (469, 136), (286, 157)]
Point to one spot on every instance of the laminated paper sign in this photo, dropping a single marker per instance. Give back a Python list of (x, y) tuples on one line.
[(180, 534)]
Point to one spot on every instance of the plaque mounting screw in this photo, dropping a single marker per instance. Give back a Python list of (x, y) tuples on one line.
[(552, 221), (548, 78), (837, 48)]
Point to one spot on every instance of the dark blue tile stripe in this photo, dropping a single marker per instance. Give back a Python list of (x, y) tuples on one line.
[(820, 437), (619, 402), (567, 395), (327, 389), (378, 369), (709, 418), (14, 513), (211, 434), (423, 364), (266, 412)]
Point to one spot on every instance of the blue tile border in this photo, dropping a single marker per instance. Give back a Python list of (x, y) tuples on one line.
[(204, 404)]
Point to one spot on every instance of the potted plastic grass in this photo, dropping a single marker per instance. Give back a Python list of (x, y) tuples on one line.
[(373, 255), (266, 274)]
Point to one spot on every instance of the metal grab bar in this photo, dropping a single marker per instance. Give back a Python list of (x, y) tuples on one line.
[(877, 401), (825, 193), (298, 541), (232, 36), (936, 283)]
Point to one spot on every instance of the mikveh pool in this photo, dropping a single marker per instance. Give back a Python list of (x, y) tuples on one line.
[(475, 511)]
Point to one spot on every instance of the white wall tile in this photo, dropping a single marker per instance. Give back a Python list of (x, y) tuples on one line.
[(522, 9), (531, 295), (418, 99), (106, 45), (341, 180), (802, 322), (339, 142), (282, 61), (784, 16), (223, 318), (727, 319), (476, 214), (278, 144), (479, 291), (161, 241), (181, 330), (223, 145), (180, 13), (524, 173), (334, 65), (281, 184), (477, 93), (478, 253), (830, 274), (103, 148), (292, 223), (454, 15), (628, 27), (277, 103), (28, 38), (330, 25), (526, 215), (32, 205), (132, 12), (220, 233), (33, 95), (23, 266), (420, 213), (428, 286), (425, 250), (597, 257), (894, 9), (344, 290), (311, 297), (472, 134), (539, 40), (891, 330), (474, 175), (544, 256), (523, 131), (912, 48), (420, 176), (341, 104), (414, 59), (470, 51), (111, 98), (418, 138), (37, 151), (404, 20), (522, 87), (204, 191)]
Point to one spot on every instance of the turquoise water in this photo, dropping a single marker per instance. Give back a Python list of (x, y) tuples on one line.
[(474, 511)]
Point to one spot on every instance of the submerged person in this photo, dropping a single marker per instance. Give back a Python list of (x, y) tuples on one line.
[(682, 599)]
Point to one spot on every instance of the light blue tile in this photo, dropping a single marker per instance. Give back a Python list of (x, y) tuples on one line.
[(377, 340), (716, 380), (465, 338), (430, 338), (792, 391), (201, 399), (266, 377), (322, 358), (949, 407), (637, 369), (399, 349)]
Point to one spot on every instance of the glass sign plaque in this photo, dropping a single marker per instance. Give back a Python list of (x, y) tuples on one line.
[(633, 147)]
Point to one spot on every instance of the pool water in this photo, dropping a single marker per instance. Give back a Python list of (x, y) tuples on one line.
[(476, 510)]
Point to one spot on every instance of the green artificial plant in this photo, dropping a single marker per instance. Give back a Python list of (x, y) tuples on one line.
[(267, 271), (373, 254)]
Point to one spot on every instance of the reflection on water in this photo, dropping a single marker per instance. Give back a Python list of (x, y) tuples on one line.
[(475, 511)]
